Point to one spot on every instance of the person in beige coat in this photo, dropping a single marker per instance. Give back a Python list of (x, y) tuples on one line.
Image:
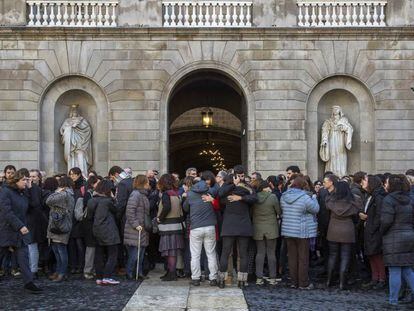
[(137, 207)]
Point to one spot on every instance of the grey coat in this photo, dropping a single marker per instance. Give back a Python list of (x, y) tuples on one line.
[(137, 207), (62, 200)]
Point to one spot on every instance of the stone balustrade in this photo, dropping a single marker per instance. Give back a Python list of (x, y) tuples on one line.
[(207, 13), (80, 13), (335, 13)]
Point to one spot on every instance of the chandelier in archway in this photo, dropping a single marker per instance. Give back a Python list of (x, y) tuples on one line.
[(213, 154)]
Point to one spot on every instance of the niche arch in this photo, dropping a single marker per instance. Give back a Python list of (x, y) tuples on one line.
[(358, 106), (54, 109)]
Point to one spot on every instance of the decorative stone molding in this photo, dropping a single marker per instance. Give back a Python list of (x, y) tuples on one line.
[(80, 13), (207, 13), (334, 13)]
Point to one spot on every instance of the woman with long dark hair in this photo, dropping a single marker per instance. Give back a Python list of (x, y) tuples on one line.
[(170, 224), (344, 206)]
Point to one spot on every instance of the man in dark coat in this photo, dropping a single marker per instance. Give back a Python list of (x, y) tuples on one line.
[(14, 234), (123, 183)]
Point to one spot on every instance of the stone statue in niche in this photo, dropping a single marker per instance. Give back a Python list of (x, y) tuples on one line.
[(336, 140), (76, 135)]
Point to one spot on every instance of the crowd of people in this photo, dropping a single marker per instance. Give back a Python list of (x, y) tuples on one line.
[(206, 226)]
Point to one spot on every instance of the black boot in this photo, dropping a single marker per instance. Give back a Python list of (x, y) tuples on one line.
[(33, 289), (221, 279), (164, 276), (171, 276)]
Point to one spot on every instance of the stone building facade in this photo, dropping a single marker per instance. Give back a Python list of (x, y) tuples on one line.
[(287, 76)]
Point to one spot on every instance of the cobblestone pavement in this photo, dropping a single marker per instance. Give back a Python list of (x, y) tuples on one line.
[(74, 294), (284, 298)]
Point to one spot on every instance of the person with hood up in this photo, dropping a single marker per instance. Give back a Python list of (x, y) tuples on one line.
[(298, 226), (266, 231), (203, 222), (343, 206), (398, 234)]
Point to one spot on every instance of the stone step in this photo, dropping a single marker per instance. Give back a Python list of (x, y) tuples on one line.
[(153, 294)]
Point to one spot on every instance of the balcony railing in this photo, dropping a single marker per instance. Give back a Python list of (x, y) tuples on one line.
[(343, 13), (207, 13), (80, 13)]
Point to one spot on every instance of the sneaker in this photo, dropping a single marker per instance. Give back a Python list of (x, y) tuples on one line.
[(88, 276), (110, 282), (15, 273), (309, 287), (260, 281), (293, 286), (380, 285), (99, 282), (33, 289), (213, 283), (369, 285), (272, 281), (195, 282)]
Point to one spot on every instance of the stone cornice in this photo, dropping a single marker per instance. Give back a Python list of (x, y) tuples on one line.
[(133, 33)]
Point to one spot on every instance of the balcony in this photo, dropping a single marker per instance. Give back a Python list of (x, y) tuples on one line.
[(207, 13), (81, 13), (345, 13)]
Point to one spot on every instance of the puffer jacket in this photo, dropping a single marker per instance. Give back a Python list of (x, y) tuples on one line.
[(137, 206), (265, 212), (201, 213), (13, 211), (299, 210), (61, 200), (397, 228)]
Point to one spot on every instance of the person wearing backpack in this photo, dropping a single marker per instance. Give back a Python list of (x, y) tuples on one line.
[(62, 204), (101, 210), (138, 208)]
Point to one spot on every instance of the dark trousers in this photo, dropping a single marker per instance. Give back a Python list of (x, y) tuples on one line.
[(298, 259), (344, 250), (22, 256), (105, 268), (228, 242), (76, 250)]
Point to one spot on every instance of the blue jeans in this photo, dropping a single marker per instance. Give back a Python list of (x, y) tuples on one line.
[(395, 281), (132, 259), (33, 257), (61, 253)]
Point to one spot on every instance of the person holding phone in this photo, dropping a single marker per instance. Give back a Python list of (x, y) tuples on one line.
[(14, 235)]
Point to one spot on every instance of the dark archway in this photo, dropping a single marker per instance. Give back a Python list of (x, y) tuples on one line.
[(192, 144)]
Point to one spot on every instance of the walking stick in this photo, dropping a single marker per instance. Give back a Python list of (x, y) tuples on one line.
[(139, 251)]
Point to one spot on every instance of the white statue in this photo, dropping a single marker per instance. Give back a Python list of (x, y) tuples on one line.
[(76, 138), (336, 140)]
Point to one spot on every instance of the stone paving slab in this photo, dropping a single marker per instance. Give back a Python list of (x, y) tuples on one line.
[(153, 294)]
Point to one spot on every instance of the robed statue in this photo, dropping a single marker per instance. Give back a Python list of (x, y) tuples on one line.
[(336, 140), (77, 137)]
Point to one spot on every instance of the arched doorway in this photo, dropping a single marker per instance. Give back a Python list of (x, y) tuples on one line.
[(190, 143)]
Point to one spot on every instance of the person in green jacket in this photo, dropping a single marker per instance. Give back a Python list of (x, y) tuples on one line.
[(266, 231)]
